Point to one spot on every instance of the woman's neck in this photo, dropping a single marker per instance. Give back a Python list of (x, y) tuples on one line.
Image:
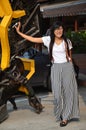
[(58, 40)]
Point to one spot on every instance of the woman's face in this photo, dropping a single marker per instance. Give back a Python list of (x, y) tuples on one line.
[(58, 32)]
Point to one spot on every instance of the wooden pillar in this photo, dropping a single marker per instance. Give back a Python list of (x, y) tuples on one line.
[(76, 25)]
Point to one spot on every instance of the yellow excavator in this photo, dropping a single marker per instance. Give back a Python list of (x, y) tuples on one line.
[(11, 69), (6, 13)]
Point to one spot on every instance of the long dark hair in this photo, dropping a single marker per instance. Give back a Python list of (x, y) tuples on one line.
[(52, 35)]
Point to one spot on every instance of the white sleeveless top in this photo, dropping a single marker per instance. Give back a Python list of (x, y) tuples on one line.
[(58, 51)]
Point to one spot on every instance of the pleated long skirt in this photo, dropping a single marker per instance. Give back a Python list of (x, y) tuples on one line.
[(64, 88)]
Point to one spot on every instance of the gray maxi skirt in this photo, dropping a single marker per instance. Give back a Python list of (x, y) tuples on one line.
[(64, 88)]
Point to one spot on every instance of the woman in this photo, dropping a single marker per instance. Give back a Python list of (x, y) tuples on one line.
[(64, 85)]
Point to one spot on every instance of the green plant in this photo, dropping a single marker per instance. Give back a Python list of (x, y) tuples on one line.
[(78, 40)]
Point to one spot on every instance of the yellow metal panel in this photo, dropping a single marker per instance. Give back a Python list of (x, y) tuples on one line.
[(5, 7), (18, 13), (5, 49), (23, 89), (29, 64), (5, 42), (1, 12), (6, 21)]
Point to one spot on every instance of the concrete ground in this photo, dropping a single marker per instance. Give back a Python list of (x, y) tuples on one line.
[(26, 119)]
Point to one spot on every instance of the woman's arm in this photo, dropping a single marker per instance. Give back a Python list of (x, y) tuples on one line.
[(27, 37)]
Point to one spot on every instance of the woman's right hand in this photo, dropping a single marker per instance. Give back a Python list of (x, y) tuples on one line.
[(18, 27)]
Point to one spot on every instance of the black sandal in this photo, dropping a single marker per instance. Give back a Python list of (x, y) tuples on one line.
[(63, 123)]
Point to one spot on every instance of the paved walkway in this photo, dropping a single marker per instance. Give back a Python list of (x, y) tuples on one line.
[(27, 119)]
